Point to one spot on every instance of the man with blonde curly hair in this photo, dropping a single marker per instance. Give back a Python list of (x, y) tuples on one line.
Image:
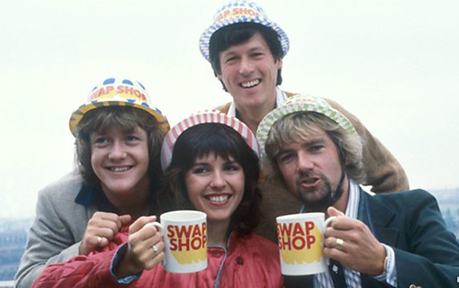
[(378, 239)]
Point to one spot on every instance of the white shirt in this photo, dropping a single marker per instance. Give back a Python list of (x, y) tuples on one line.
[(280, 99)]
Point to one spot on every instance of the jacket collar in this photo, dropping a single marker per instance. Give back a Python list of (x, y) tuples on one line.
[(378, 217)]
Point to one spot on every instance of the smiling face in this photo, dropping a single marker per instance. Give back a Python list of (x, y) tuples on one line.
[(249, 72), (120, 161), (313, 171), (215, 186)]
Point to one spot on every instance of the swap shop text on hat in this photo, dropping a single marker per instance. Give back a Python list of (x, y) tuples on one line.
[(240, 12), (117, 92)]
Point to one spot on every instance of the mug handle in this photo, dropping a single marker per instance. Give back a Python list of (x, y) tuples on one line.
[(158, 226), (327, 223)]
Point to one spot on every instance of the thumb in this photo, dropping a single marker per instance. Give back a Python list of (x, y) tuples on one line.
[(139, 223), (332, 211), (125, 219)]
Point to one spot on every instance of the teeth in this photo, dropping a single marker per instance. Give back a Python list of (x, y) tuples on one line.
[(251, 83), (119, 169), (218, 198)]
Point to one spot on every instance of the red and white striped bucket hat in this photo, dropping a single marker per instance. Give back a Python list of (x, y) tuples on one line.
[(207, 116)]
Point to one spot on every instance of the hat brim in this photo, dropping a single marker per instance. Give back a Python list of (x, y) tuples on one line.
[(204, 41), (78, 115), (272, 117), (202, 118)]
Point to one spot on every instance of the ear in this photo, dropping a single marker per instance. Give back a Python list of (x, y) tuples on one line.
[(279, 63)]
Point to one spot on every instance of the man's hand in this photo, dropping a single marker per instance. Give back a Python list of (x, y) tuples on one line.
[(145, 248), (360, 251), (100, 230)]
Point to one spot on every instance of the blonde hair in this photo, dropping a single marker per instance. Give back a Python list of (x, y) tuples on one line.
[(299, 126)]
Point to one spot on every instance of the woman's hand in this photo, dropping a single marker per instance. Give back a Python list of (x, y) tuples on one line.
[(100, 230), (145, 248)]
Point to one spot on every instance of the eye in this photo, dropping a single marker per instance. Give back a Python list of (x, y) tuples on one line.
[(285, 158), (316, 148), (230, 59), (257, 55), (131, 138), (232, 167), (199, 170), (100, 141)]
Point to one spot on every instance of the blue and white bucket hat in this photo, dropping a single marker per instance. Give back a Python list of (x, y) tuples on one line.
[(240, 11)]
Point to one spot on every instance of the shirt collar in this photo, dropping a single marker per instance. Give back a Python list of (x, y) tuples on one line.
[(353, 200), (93, 195), (280, 99), (90, 195)]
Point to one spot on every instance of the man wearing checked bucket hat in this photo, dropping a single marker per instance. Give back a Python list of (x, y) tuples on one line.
[(381, 240), (118, 136), (246, 51)]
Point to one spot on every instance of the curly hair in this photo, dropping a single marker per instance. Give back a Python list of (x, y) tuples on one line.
[(223, 141), (299, 126)]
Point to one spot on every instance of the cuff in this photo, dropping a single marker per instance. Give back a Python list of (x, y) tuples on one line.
[(389, 274), (119, 254)]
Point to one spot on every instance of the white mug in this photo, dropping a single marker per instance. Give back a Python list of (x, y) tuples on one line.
[(301, 241), (184, 234)]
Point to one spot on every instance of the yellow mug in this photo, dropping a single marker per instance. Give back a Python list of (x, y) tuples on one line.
[(184, 233), (300, 240)]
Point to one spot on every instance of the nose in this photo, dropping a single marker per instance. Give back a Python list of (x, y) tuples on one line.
[(305, 162), (218, 182), (117, 152), (245, 67)]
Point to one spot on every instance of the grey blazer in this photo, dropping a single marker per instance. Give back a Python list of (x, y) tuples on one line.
[(58, 228)]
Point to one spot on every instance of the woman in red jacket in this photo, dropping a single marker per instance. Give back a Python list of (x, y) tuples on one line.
[(211, 164)]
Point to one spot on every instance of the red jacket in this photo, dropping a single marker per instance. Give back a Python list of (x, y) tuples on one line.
[(252, 261)]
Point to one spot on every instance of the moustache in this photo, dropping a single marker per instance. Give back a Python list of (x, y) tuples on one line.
[(307, 176)]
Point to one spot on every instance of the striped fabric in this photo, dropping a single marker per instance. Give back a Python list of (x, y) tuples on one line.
[(353, 280), (324, 280), (209, 116)]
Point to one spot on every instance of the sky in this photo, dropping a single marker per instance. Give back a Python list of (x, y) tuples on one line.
[(393, 64)]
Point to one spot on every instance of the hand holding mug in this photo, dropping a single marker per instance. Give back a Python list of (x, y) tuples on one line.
[(145, 248), (351, 242), (185, 237)]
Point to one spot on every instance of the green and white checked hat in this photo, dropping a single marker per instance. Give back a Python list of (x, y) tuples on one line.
[(300, 103)]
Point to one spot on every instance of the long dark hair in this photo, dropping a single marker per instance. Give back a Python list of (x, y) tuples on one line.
[(223, 141)]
